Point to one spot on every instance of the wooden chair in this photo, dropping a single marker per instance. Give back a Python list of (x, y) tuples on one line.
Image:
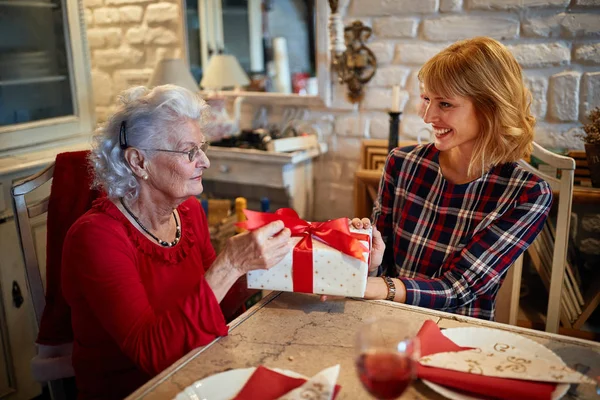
[(508, 296), (52, 363)]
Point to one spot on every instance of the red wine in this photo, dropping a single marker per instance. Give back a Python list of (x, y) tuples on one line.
[(385, 375)]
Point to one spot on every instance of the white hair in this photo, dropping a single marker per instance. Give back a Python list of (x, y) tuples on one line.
[(149, 116)]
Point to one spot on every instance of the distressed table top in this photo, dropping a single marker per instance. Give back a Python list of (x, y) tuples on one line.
[(299, 332)]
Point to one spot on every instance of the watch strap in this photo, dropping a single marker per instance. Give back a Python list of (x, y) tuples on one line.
[(391, 288)]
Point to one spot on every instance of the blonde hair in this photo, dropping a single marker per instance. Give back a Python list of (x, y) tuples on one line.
[(484, 71)]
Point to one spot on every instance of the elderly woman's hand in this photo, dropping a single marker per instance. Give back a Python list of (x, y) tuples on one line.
[(378, 246), (259, 249)]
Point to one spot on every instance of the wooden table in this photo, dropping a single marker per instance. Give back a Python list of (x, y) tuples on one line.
[(300, 333)]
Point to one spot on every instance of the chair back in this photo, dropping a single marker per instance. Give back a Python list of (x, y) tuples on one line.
[(24, 213), (564, 187)]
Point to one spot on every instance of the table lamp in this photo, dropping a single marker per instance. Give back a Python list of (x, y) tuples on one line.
[(223, 71), (173, 71)]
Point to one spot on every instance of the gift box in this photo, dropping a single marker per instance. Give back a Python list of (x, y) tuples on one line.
[(329, 258)]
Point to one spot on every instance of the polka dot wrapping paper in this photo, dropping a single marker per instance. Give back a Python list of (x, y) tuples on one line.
[(333, 272)]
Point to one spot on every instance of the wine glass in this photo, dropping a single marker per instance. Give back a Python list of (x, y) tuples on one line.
[(387, 358)]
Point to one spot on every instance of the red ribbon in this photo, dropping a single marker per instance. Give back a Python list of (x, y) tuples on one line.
[(334, 233)]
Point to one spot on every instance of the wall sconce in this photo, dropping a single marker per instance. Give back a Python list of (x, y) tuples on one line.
[(354, 63)]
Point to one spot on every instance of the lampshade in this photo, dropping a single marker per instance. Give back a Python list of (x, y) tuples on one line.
[(173, 71), (223, 70)]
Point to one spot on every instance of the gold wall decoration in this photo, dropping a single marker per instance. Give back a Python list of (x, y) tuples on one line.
[(354, 63)]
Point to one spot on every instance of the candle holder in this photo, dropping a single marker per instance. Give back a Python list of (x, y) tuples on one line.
[(394, 128)]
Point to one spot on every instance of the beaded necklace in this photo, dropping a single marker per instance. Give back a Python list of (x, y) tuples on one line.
[(161, 242)]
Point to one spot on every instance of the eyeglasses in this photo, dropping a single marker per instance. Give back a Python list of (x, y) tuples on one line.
[(192, 153)]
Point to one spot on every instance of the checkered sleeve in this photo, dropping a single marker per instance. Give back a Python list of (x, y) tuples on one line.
[(383, 209), (480, 266)]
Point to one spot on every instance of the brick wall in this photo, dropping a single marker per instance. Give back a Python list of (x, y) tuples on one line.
[(557, 42), (126, 39)]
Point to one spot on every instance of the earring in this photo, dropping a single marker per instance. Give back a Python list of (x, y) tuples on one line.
[(145, 177)]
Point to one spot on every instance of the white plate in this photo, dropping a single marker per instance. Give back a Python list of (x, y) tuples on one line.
[(477, 337), (223, 386)]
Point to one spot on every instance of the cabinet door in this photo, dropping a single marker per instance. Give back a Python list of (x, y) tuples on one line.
[(20, 320), (44, 80)]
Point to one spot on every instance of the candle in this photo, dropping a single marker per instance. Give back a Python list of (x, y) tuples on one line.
[(395, 99)]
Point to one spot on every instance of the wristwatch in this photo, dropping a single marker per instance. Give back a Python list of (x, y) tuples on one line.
[(391, 288)]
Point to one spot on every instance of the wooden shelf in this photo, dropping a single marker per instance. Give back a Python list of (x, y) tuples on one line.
[(36, 4), (29, 81)]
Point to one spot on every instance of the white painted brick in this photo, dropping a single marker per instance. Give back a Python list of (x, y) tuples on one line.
[(541, 55), (556, 136), (412, 127), (162, 12), (414, 105), (89, 17), (381, 99), (579, 25), (564, 96), (347, 148), (416, 53), (125, 2), (355, 125), (108, 58), (106, 16), (104, 113), (103, 88), (339, 99), (95, 39), (538, 86), (333, 200), (413, 84), (515, 4), (131, 13), (541, 26), (384, 51), (395, 27), (93, 3), (588, 53), (136, 35), (380, 125), (104, 37), (127, 78), (393, 7), (590, 94), (153, 55), (161, 36), (117, 57), (390, 75), (328, 170), (450, 5), (587, 3), (456, 27)]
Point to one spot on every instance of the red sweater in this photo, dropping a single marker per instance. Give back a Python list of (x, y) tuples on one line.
[(136, 307)]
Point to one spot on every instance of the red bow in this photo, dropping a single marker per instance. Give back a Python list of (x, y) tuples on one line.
[(334, 233)]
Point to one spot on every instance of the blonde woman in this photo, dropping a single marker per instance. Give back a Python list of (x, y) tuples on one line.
[(456, 213)]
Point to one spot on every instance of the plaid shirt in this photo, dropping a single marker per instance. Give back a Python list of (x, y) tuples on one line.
[(450, 244)]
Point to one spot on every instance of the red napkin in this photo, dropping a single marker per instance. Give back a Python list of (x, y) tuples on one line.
[(433, 341), (266, 384)]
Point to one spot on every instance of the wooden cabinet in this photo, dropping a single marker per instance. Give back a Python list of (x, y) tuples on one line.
[(17, 322), (45, 109), (285, 178)]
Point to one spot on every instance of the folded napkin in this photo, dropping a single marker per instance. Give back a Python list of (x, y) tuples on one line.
[(433, 341), (266, 384)]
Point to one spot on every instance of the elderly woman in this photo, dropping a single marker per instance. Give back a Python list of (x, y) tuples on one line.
[(456, 213), (139, 272)]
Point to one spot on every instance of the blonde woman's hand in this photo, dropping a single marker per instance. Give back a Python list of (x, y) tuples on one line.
[(259, 249), (378, 246)]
